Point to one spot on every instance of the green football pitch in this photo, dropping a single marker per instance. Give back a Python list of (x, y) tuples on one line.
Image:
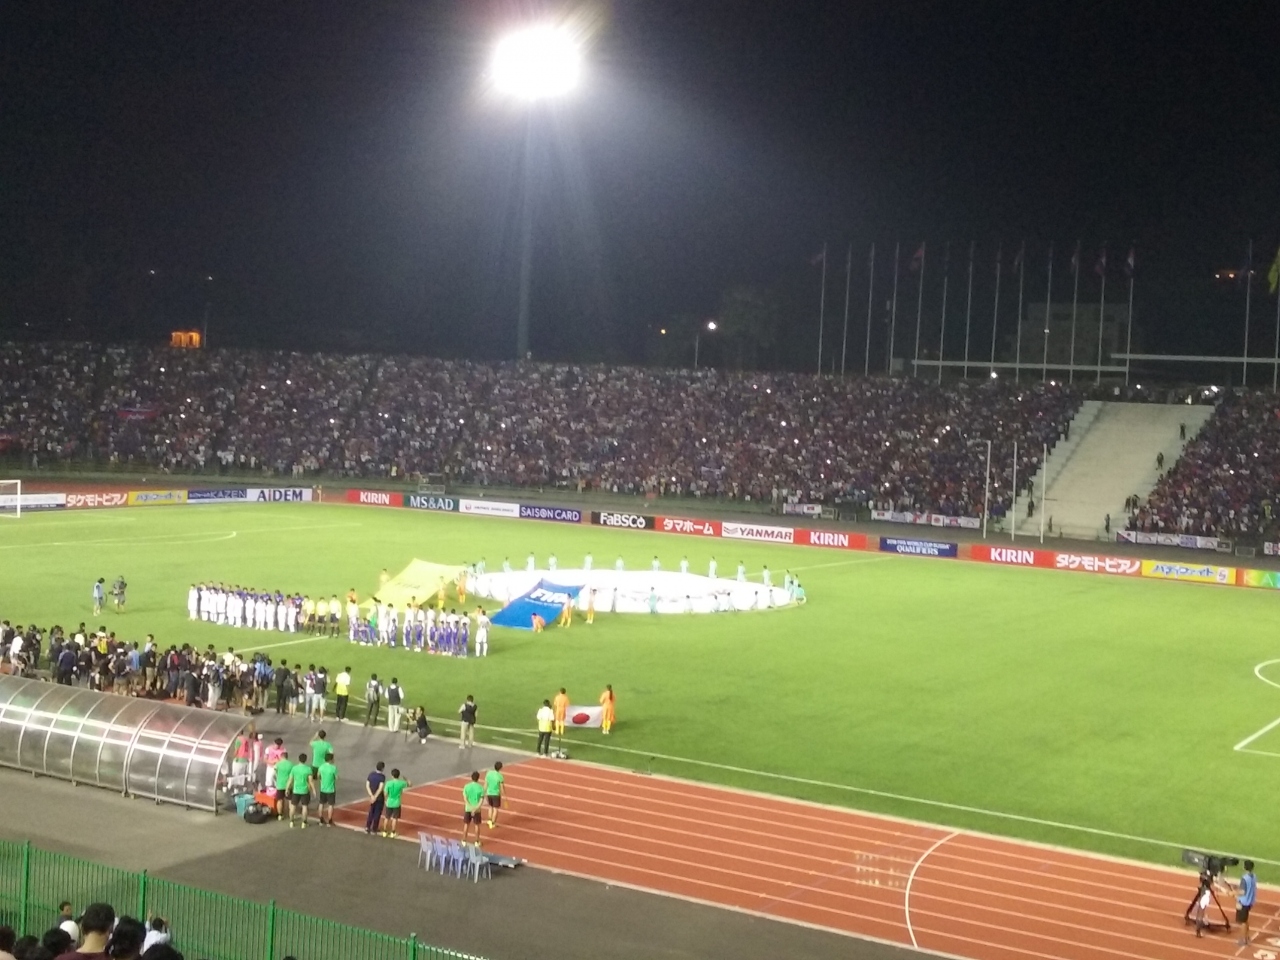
[(1068, 708)]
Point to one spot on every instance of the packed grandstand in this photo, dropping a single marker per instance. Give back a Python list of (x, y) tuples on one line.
[(897, 444)]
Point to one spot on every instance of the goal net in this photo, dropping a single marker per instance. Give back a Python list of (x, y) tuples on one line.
[(10, 499)]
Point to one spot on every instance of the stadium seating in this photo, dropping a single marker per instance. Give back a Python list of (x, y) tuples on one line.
[(898, 444), (1224, 483)]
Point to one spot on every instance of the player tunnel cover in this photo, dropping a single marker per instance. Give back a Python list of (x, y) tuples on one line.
[(546, 600)]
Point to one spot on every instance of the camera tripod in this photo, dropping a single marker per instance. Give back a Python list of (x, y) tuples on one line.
[(1211, 925)]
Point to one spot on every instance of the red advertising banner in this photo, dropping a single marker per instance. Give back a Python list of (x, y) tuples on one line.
[(838, 539), (1054, 560), (376, 498), (83, 499), (703, 528)]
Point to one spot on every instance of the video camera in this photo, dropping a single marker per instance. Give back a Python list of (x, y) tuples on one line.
[(1213, 863)]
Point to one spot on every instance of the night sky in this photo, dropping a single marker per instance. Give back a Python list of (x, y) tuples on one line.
[(344, 176)]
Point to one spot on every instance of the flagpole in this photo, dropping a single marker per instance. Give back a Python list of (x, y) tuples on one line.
[(1275, 363), (1128, 339), (848, 272), (822, 305), (915, 363), (1248, 296), (1048, 299), (1044, 460), (942, 335), (968, 313), (1075, 298), (1102, 310), (893, 314), (1013, 497), (1022, 273), (871, 289), (995, 313), (986, 492)]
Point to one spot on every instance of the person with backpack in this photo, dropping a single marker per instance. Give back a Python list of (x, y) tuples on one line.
[(373, 700)]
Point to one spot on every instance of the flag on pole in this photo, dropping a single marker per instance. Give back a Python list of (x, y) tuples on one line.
[(819, 257), (917, 259), (583, 716), (1075, 259), (1129, 263), (1273, 275), (1100, 268), (1017, 257)]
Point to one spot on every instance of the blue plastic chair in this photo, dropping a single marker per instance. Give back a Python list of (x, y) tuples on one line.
[(478, 862), (426, 850), (440, 852), (457, 857)]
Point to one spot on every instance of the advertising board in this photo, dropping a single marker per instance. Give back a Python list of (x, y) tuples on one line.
[(217, 495), (1268, 579), (838, 539), (1199, 573), (918, 548), (34, 501), (627, 521), (757, 531), (1093, 563), (556, 514), (802, 509), (376, 498), (156, 498), (489, 508), (281, 494), (85, 499), (430, 501), (702, 528)]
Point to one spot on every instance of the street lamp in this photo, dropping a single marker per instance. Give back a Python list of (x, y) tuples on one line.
[(532, 65), (710, 327)]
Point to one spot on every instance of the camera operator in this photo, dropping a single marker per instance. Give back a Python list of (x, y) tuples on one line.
[(1246, 893), (1209, 882)]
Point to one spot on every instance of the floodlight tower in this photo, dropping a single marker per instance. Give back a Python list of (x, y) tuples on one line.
[(533, 65)]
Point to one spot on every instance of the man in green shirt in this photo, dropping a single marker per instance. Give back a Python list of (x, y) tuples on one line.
[(301, 784), (393, 790), (495, 788), (327, 774), (472, 797), (320, 749), (282, 769)]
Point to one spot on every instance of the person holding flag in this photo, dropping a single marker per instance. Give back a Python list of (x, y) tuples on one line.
[(607, 701)]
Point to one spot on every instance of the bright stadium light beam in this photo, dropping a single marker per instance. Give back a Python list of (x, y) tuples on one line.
[(537, 63)]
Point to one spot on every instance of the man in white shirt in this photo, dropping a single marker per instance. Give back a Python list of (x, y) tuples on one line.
[(546, 718), (482, 633)]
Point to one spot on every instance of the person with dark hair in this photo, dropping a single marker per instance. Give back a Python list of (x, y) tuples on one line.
[(38, 951), (126, 939), (157, 933), (57, 941), (23, 946), (161, 951), (95, 926), (67, 922), (7, 939), (375, 787)]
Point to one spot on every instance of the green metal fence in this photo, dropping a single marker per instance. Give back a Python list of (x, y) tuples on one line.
[(205, 925)]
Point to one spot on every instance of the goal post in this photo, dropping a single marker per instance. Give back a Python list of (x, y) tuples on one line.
[(10, 499)]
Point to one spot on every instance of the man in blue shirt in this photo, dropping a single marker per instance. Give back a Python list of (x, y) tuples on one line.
[(1247, 893), (374, 787)]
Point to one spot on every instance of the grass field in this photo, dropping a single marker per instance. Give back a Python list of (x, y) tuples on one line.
[(1009, 699)]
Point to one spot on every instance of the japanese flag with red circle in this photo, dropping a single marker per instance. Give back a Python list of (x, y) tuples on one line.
[(583, 716)]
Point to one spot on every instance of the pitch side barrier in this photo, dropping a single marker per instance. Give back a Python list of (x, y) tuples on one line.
[(99, 496)]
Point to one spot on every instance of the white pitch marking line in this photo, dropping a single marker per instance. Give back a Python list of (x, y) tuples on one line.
[(906, 900), (1254, 736), (1257, 672)]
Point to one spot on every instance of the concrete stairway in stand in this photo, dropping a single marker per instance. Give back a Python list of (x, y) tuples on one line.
[(1111, 455)]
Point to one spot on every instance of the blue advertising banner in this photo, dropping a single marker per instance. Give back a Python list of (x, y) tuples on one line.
[(431, 502), (918, 548), (559, 514), (213, 495)]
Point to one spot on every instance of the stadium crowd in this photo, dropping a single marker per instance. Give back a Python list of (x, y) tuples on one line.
[(97, 934), (1223, 483), (897, 444)]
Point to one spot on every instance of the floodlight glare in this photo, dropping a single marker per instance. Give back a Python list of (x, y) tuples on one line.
[(536, 63)]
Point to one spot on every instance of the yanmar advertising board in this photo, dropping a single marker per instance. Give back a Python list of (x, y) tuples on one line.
[(85, 499), (1193, 573), (918, 548), (757, 531), (156, 498), (701, 528), (626, 521), (556, 514), (376, 498)]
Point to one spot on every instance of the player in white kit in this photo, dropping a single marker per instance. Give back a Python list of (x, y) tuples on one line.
[(193, 603), (482, 633)]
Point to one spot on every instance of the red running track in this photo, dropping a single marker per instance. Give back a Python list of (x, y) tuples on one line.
[(952, 892)]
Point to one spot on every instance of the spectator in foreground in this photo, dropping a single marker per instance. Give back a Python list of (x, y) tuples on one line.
[(95, 928), (7, 941)]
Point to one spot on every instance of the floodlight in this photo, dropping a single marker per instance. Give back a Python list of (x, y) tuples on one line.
[(536, 63), (711, 325)]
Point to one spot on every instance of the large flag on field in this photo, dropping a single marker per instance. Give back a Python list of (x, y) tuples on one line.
[(546, 599), (583, 716)]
